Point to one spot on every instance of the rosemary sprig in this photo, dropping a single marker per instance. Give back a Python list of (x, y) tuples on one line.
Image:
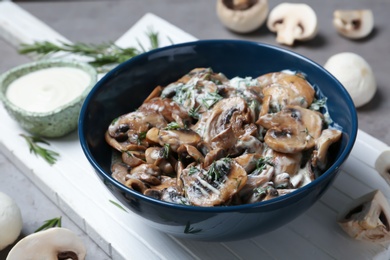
[(48, 155), (50, 223), (118, 205), (103, 54)]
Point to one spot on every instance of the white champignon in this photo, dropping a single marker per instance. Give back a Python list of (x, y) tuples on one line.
[(353, 24), (292, 22), (53, 243), (367, 218), (242, 16), (355, 74), (10, 221)]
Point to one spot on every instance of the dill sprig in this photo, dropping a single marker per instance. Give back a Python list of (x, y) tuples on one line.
[(48, 155), (50, 223), (103, 54)]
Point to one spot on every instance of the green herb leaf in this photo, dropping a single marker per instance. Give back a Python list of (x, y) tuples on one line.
[(263, 162), (318, 104), (210, 99), (165, 151), (118, 205), (50, 223), (48, 155), (172, 126)]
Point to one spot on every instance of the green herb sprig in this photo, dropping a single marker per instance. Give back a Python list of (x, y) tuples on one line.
[(48, 155), (50, 223), (101, 55)]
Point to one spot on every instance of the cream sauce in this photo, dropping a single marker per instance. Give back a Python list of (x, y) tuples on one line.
[(47, 89)]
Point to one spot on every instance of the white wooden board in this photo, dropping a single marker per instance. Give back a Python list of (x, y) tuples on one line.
[(72, 184)]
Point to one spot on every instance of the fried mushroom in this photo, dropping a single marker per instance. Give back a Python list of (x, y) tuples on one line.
[(214, 185), (292, 130)]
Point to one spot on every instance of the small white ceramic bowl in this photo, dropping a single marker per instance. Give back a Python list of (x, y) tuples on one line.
[(57, 122)]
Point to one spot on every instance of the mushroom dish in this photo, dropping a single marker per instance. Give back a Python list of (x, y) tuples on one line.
[(207, 140)]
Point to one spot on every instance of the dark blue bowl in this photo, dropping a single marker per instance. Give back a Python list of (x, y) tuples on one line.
[(124, 88)]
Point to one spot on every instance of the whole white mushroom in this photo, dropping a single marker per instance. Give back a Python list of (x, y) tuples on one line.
[(355, 74), (10, 221)]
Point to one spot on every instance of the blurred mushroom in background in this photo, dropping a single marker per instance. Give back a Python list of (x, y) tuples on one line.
[(292, 22), (353, 24), (242, 16)]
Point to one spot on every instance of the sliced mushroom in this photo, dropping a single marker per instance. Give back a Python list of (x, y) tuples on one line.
[(303, 176), (264, 192), (292, 22), (156, 156), (256, 179), (175, 138), (133, 158), (214, 185), (292, 130), (186, 152), (157, 191), (214, 155), (120, 171), (224, 120), (148, 173), (353, 24), (281, 89), (367, 218), (326, 139), (248, 161), (136, 184), (284, 162), (171, 194), (242, 16), (53, 243), (129, 130), (169, 109)]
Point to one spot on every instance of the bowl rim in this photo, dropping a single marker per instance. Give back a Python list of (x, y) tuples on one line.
[(47, 64), (233, 208)]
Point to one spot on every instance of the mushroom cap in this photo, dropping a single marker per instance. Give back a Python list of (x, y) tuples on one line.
[(355, 74), (353, 24), (292, 22), (49, 244), (10, 220), (242, 20)]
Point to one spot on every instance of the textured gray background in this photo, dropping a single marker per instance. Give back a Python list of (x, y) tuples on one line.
[(106, 20)]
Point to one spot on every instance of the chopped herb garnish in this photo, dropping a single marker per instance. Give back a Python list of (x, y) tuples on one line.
[(210, 99), (141, 136), (193, 112), (165, 151), (263, 162), (50, 223), (48, 155), (193, 170), (318, 104), (172, 126)]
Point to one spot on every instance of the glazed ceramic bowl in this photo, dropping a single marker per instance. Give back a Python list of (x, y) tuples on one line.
[(57, 122), (124, 89)]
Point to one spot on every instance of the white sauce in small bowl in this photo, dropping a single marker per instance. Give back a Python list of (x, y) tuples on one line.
[(47, 89)]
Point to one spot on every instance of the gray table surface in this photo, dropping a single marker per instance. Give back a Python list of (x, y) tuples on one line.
[(106, 20)]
